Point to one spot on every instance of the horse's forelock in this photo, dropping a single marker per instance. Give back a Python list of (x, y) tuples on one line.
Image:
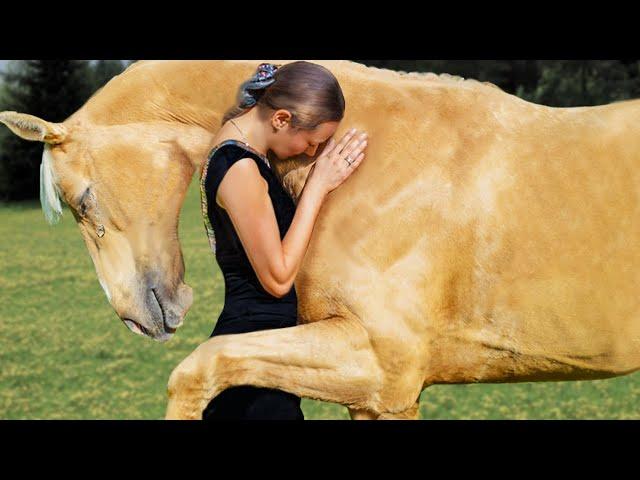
[(49, 190)]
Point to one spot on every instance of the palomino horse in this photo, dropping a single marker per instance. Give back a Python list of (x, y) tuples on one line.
[(484, 238)]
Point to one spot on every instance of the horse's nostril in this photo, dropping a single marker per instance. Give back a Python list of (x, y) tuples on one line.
[(168, 317), (159, 304)]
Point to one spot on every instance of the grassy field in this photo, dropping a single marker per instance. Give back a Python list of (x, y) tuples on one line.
[(64, 354)]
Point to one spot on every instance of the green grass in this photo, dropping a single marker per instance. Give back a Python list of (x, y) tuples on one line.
[(64, 354)]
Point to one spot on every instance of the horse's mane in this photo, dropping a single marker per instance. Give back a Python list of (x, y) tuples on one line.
[(147, 84), (444, 78), (400, 75)]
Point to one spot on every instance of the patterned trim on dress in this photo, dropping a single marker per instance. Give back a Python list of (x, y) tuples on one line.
[(203, 194)]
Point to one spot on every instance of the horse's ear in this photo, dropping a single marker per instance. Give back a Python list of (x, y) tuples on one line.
[(33, 128)]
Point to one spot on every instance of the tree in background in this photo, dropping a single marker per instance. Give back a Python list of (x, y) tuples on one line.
[(573, 83), (105, 70), (50, 89)]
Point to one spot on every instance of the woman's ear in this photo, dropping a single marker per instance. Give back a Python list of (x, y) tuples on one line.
[(280, 119)]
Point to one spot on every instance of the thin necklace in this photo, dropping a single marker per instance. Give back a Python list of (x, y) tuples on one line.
[(246, 142)]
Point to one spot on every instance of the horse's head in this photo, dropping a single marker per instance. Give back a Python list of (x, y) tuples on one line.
[(125, 185)]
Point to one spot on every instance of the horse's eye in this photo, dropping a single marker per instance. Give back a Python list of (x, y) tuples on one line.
[(83, 202)]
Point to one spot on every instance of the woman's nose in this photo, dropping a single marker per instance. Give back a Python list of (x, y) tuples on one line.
[(311, 151)]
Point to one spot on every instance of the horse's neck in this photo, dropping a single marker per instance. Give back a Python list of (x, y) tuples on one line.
[(186, 91), (191, 95)]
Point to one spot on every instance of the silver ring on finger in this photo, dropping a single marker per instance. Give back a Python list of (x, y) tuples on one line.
[(348, 160)]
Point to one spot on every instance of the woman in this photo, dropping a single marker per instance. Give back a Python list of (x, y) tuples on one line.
[(256, 232)]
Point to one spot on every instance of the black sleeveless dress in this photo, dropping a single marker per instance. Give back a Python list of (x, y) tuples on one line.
[(248, 306)]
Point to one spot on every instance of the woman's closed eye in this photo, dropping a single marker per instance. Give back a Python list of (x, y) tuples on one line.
[(311, 149)]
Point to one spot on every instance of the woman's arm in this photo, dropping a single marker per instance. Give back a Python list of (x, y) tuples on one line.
[(244, 194)]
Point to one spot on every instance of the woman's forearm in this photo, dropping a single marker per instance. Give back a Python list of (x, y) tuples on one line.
[(296, 240), (329, 171)]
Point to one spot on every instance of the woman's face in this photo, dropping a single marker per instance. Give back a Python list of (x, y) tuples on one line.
[(290, 142)]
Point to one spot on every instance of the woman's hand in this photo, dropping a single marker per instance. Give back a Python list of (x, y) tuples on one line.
[(338, 161)]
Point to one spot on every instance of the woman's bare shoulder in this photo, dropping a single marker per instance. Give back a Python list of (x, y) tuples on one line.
[(242, 179)]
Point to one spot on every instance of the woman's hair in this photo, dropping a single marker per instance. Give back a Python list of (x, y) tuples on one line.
[(308, 91)]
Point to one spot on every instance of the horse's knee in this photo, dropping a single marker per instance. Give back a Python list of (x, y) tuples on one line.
[(187, 376)]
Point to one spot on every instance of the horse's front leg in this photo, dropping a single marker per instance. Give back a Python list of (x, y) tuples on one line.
[(330, 360)]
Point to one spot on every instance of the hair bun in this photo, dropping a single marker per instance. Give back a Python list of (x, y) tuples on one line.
[(251, 90), (266, 71)]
